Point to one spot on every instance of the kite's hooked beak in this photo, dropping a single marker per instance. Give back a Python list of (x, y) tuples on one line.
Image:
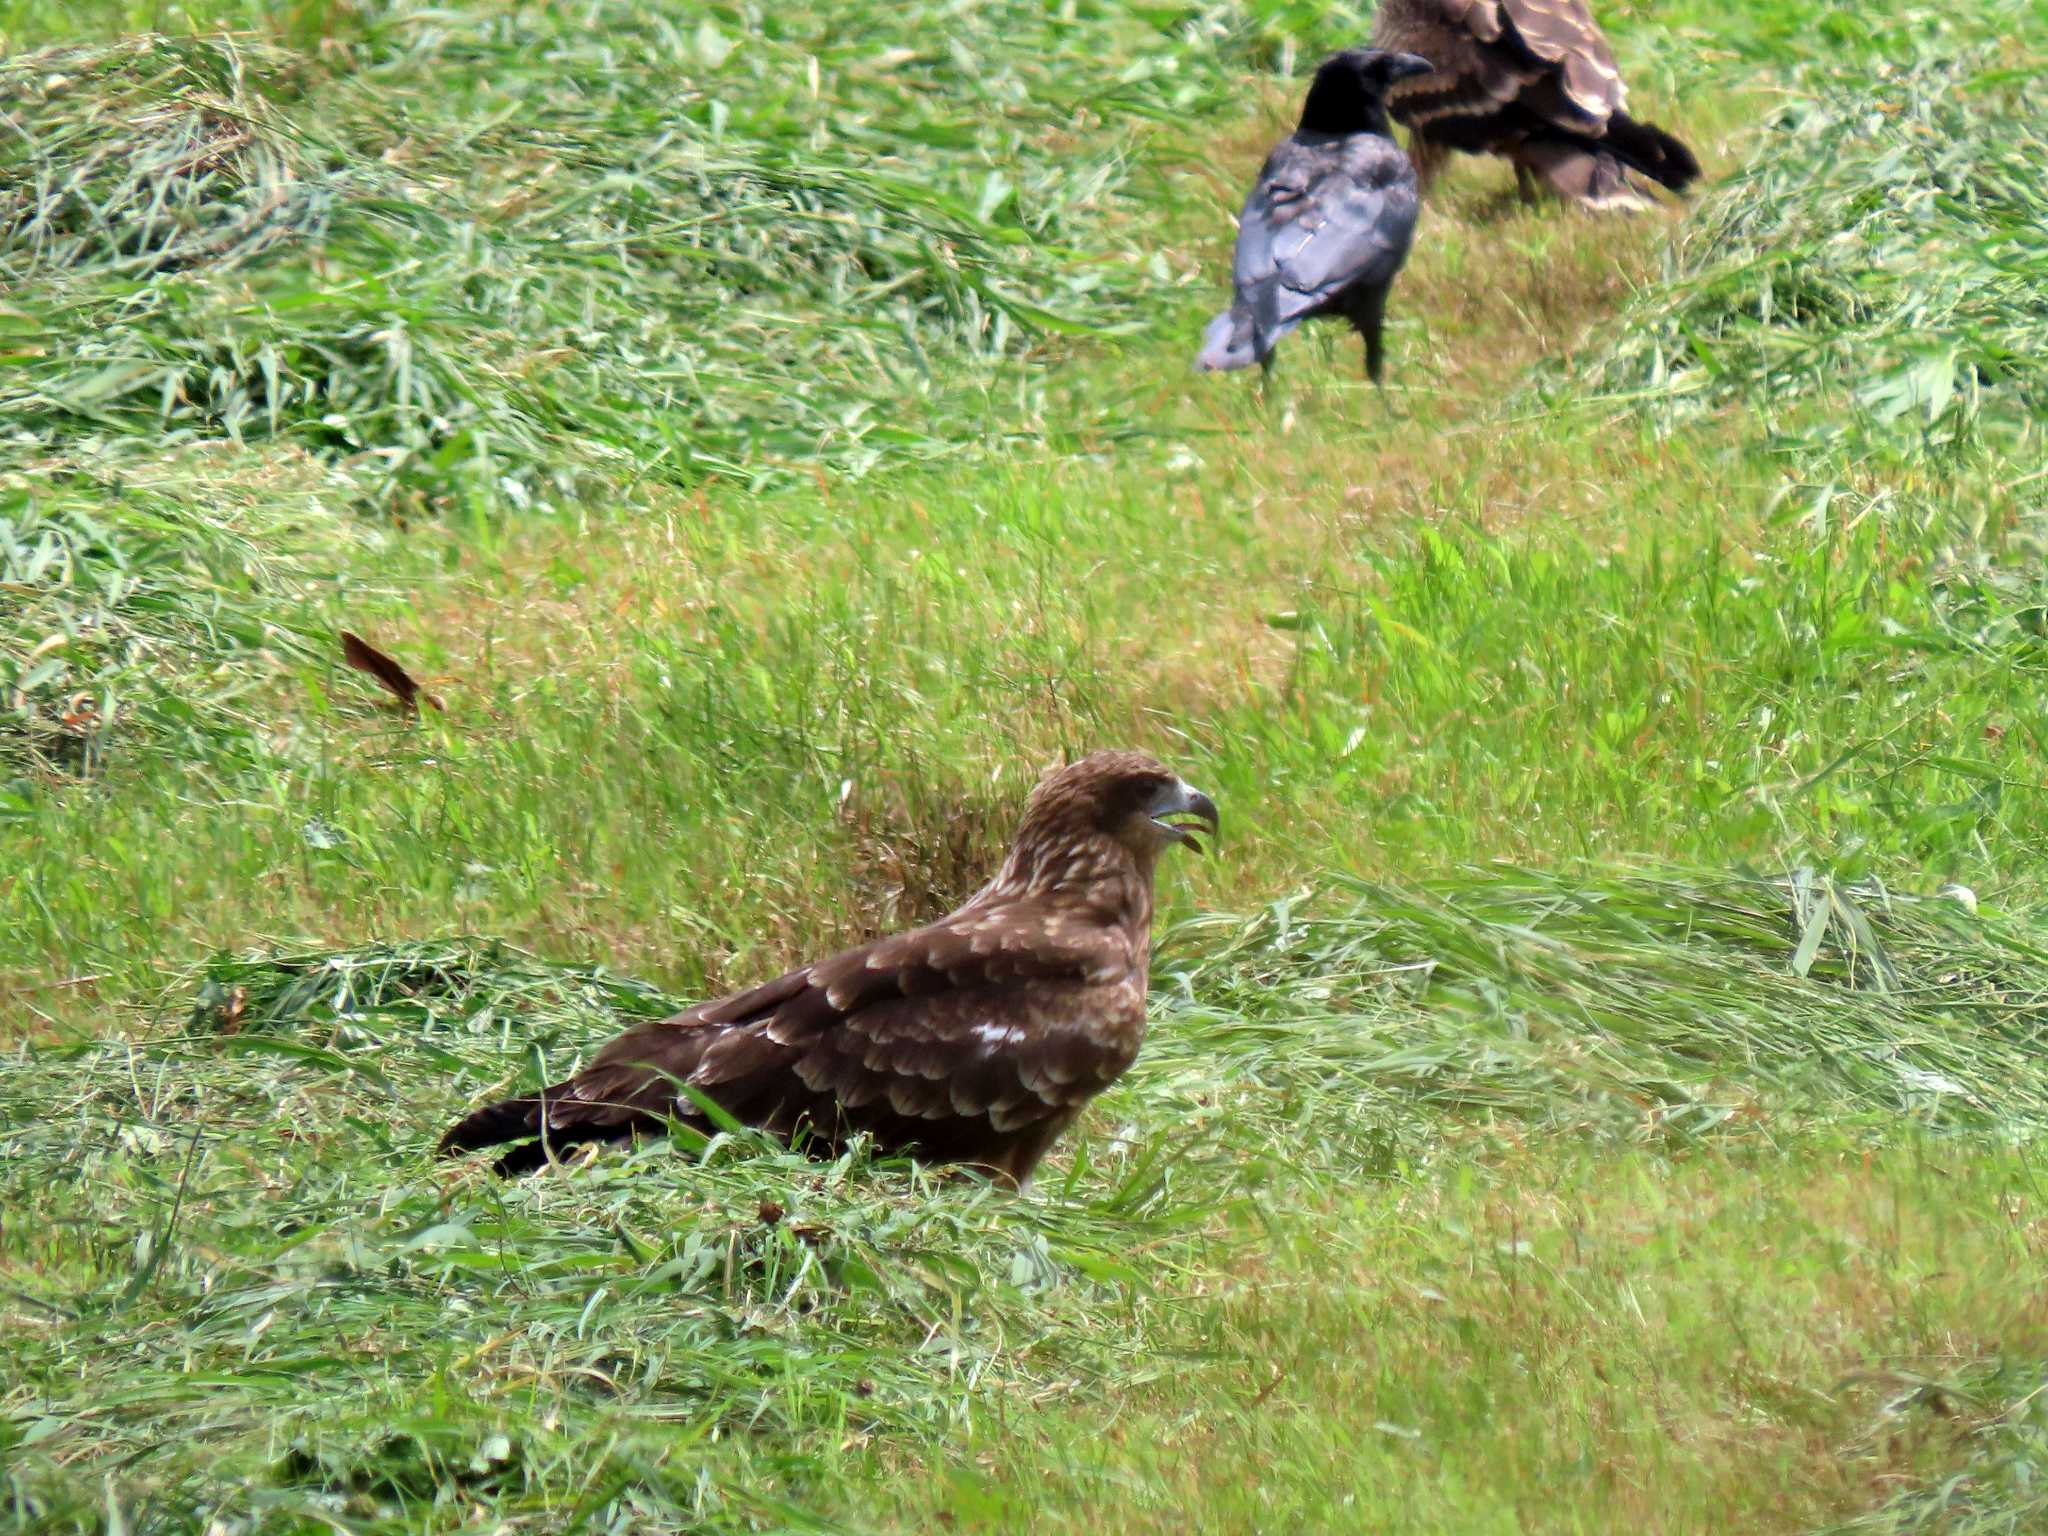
[(1182, 800)]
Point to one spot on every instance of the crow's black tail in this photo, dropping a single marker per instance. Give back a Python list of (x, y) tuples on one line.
[(1229, 342)]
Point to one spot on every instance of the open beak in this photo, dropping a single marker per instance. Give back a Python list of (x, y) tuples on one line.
[(1181, 811)]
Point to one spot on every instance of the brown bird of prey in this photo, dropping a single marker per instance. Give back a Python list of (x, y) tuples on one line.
[(1533, 81), (976, 1039)]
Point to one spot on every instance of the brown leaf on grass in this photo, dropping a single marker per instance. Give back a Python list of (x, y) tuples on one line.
[(365, 657)]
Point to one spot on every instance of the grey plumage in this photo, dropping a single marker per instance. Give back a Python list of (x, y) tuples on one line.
[(1329, 220)]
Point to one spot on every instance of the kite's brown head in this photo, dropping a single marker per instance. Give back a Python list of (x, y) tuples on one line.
[(1126, 801)]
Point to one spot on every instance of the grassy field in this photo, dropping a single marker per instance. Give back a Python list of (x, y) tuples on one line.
[(1596, 1083)]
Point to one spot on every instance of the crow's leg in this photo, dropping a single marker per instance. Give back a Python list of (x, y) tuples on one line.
[(1367, 311)]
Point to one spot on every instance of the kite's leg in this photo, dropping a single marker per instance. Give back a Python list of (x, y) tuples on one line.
[(1427, 158)]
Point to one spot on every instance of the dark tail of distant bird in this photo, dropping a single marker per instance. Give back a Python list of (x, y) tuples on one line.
[(1595, 171)]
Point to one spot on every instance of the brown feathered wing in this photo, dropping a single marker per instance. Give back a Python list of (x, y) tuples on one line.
[(976, 1039), (1535, 81)]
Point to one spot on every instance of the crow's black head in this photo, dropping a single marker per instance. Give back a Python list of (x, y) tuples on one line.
[(1349, 93)]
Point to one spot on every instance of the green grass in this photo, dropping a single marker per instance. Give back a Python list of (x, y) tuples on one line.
[(1593, 1086), (458, 263), (1906, 276), (244, 1213), (1564, 1345)]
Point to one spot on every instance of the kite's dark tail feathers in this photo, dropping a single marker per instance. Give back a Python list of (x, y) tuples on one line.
[(1649, 149), (494, 1124), (519, 1121), (1596, 172)]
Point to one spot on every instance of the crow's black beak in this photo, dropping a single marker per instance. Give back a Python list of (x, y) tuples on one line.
[(1401, 66), (1183, 801)]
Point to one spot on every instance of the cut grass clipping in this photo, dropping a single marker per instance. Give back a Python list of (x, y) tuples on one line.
[(148, 605)]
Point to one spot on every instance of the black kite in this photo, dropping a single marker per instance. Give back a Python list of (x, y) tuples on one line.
[(975, 1039)]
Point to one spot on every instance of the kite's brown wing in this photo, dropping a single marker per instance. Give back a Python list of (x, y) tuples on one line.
[(1498, 59), (970, 1040), (1533, 80), (1563, 34)]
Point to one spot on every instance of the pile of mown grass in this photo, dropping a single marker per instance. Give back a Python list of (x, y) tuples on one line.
[(155, 601), (1881, 247), (311, 1314), (2003, 1491), (1659, 1004), (231, 1262), (486, 249)]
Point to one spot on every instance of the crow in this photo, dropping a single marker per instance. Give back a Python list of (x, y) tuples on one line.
[(1329, 221)]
